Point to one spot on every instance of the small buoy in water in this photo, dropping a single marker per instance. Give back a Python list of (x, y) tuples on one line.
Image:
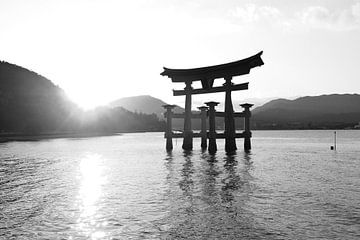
[(334, 147)]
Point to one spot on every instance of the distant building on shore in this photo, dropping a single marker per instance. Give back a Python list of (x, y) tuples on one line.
[(357, 126)]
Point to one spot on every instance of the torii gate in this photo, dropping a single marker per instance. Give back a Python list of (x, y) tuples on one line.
[(207, 75)]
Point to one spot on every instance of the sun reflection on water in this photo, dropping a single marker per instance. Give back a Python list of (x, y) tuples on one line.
[(91, 182)]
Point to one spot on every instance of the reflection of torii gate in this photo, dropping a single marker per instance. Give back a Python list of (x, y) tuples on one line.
[(207, 75)]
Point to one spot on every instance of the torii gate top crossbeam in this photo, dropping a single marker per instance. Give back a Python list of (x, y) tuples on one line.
[(205, 74)]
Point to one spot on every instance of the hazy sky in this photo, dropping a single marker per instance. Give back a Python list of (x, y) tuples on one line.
[(101, 50)]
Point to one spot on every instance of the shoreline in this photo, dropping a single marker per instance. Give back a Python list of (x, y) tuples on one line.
[(36, 137), (18, 137)]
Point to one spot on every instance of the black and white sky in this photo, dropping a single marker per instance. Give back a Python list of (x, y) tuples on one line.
[(101, 50)]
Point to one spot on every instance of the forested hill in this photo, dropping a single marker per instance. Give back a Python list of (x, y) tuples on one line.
[(145, 104), (32, 104), (150, 105)]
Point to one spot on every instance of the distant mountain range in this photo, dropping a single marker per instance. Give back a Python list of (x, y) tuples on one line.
[(325, 111), (325, 104)]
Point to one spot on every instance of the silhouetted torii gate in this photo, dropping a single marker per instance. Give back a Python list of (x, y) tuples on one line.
[(207, 75)]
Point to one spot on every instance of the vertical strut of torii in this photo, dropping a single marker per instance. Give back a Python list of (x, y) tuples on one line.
[(207, 75)]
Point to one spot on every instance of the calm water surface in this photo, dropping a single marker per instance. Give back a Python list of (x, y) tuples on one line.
[(290, 186)]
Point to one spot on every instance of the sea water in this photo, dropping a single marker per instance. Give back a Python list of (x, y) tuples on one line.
[(289, 186)]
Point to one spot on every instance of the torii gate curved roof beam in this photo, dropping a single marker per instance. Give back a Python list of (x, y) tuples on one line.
[(210, 73)]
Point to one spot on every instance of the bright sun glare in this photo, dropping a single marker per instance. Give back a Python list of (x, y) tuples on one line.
[(89, 194), (90, 98), (85, 100)]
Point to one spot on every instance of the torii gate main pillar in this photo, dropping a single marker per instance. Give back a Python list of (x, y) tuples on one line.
[(230, 142), (188, 134)]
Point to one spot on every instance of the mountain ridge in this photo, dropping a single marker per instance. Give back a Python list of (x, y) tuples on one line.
[(32, 104)]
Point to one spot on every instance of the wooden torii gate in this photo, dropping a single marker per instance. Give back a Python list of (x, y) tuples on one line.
[(207, 75)]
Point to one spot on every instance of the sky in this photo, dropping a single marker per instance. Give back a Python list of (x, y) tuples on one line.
[(102, 50)]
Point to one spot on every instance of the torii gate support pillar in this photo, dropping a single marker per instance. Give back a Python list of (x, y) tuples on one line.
[(203, 132), (168, 133), (247, 132), (212, 133)]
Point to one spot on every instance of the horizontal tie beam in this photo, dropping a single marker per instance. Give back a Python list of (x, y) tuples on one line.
[(236, 87), (235, 114), (218, 135), (217, 114), (182, 115)]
